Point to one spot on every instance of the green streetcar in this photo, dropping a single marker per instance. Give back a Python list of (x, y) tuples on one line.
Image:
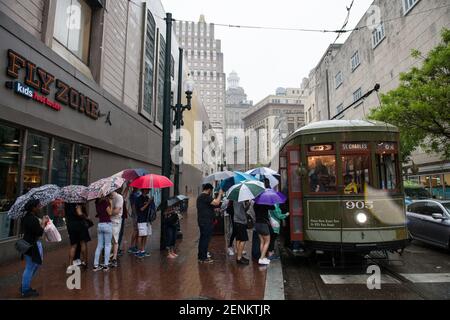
[(344, 184)]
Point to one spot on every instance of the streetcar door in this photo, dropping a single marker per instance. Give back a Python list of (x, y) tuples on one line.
[(295, 194)]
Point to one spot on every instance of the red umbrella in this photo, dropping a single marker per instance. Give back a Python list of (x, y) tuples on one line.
[(152, 181)]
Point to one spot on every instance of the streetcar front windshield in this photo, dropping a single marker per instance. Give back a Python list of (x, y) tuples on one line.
[(322, 174), (387, 173), (355, 173)]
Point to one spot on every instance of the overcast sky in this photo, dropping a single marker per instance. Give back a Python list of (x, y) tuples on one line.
[(267, 59)]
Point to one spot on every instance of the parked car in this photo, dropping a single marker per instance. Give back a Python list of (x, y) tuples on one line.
[(429, 221)]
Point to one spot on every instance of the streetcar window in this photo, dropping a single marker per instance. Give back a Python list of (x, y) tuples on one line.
[(355, 170), (322, 173), (387, 173)]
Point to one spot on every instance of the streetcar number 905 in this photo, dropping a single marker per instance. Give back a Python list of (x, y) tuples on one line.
[(359, 205)]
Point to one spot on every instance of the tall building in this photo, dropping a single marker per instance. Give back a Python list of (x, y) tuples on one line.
[(269, 122), (82, 97), (205, 60), (378, 55), (236, 108)]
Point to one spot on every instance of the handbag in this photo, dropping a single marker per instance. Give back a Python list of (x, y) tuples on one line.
[(88, 222), (250, 222), (22, 246)]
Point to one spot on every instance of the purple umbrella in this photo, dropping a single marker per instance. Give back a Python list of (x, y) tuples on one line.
[(270, 197)]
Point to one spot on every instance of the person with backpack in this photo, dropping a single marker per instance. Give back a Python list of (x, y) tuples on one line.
[(146, 213), (276, 216)]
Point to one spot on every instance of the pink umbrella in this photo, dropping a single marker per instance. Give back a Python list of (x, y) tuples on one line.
[(152, 181)]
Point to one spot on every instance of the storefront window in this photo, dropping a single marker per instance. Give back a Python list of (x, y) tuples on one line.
[(447, 186), (322, 174), (355, 170), (80, 165), (36, 164), (9, 173), (61, 163), (437, 189)]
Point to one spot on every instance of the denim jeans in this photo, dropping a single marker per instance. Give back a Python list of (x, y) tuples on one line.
[(171, 235), (30, 270), (104, 231), (206, 232)]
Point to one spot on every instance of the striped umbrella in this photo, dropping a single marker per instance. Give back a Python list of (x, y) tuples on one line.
[(246, 190)]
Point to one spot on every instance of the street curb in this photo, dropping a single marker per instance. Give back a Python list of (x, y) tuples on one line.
[(274, 289)]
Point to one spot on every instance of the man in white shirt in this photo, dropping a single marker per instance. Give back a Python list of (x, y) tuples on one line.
[(116, 220)]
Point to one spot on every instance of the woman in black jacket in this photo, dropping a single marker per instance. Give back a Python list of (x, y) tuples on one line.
[(32, 232)]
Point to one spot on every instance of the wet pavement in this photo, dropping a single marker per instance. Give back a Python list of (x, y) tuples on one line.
[(154, 277), (422, 272)]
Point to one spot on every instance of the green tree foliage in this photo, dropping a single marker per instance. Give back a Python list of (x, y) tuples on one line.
[(420, 106)]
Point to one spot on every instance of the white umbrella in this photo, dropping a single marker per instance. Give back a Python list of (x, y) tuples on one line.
[(217, 176), (264, 171)]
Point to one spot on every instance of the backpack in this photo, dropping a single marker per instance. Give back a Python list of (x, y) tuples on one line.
[(152, 212)]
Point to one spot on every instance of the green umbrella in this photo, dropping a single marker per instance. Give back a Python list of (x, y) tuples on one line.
[(246, 190)]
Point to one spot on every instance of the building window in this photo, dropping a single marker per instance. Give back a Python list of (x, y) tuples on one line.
[(357, 95), (73, 27), (339, 108), (355, 61), (378, 35), (10, 146), (149, 65), (161, 66), (80, 165), (338, 79), (408, 5)]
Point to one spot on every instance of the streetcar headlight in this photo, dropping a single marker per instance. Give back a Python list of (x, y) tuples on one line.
[(361, 218)]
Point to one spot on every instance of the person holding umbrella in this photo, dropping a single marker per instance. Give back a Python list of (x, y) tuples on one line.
[(33, 230), (205, 218)]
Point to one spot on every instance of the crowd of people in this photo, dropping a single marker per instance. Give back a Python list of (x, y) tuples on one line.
[(263, 220), (137, 204), (111, 213)]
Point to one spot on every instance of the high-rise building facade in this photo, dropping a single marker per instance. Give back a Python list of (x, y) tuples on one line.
[(205, 60), (236, 108)]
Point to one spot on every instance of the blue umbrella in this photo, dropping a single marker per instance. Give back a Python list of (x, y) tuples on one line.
[(239, 177)]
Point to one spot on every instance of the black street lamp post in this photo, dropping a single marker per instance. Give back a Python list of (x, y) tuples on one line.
[(178, 116)]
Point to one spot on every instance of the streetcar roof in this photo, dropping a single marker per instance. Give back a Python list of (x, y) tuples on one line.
[(342, 126)]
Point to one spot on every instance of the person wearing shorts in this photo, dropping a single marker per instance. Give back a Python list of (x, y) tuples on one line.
[(143, 204), (262, 227), (116, 223), (240, 230)]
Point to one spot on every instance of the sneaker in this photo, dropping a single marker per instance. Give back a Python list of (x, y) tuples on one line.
[(274, 257), (245, 259), (76, 262), (30, 294), (113, 263), (133, 250), (209, 260), (243, 262), (230, 251), (264, 261), (140, 255), (209, 255), (146, 254), (97, 268)]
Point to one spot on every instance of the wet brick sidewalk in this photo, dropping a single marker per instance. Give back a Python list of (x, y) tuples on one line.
[(155, 277)]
